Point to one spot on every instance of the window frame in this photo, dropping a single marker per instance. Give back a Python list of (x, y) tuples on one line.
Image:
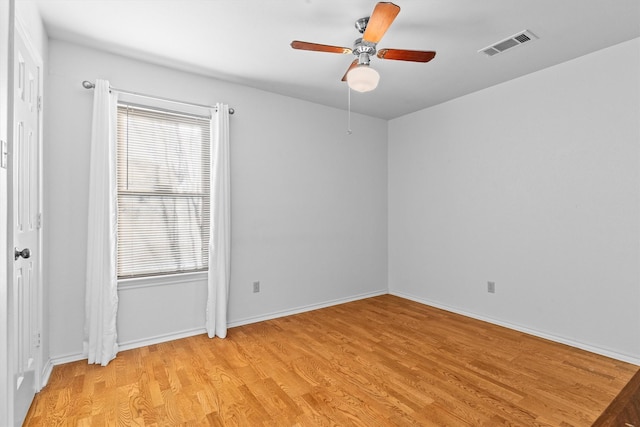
[(171, 108)]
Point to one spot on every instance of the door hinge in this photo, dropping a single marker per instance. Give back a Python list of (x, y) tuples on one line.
[(36, 339), (3, 154), (39, 221), (39, 102)]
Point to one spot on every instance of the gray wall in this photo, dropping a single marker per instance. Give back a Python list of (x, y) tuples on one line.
[(309, 203), (533, 184)]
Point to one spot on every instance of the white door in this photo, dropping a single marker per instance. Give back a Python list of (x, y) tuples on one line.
[(24, 292)]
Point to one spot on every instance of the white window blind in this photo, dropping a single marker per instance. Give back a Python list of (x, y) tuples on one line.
[(163, 192)]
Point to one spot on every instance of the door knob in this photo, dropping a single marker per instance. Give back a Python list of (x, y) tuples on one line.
[(25, 253)]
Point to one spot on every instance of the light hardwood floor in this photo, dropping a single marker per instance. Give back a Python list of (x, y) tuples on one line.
[(381, 361)]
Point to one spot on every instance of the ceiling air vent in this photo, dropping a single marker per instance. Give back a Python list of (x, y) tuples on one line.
[(508, 43)]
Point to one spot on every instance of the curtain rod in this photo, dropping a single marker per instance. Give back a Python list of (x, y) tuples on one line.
[(88, 85)]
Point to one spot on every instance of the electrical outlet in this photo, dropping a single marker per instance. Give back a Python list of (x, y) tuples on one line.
[(256, 287), (491, 287)]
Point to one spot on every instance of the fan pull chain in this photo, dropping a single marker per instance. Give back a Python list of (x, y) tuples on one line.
[(349, 132)]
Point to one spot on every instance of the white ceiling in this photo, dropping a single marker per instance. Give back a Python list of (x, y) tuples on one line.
[(247, 41)]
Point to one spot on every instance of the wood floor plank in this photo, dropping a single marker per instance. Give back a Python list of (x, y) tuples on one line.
[(382, 361)]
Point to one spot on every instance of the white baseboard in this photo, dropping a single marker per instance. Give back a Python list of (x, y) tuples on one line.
[(274, 315), (551, 337), (305, 308), (46, 373), (67, 358), (129, 345)]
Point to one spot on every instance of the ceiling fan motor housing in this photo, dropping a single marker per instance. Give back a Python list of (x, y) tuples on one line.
[(363, 49)]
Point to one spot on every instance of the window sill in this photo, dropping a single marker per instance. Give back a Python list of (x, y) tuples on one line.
[(168, 280)]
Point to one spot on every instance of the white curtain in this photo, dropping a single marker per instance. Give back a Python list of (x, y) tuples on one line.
[(101, 300), (219, 236)]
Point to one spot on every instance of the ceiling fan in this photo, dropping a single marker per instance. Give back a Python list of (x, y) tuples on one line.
[(360, 76)]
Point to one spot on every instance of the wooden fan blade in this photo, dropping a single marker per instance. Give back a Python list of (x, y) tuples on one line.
[(383, 15), (406, 55), (297, 44), (353, 65)]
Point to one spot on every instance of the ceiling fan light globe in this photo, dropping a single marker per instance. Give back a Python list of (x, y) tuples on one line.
[(363, 78)]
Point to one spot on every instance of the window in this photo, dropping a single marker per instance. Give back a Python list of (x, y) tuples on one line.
[(163, 191)]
